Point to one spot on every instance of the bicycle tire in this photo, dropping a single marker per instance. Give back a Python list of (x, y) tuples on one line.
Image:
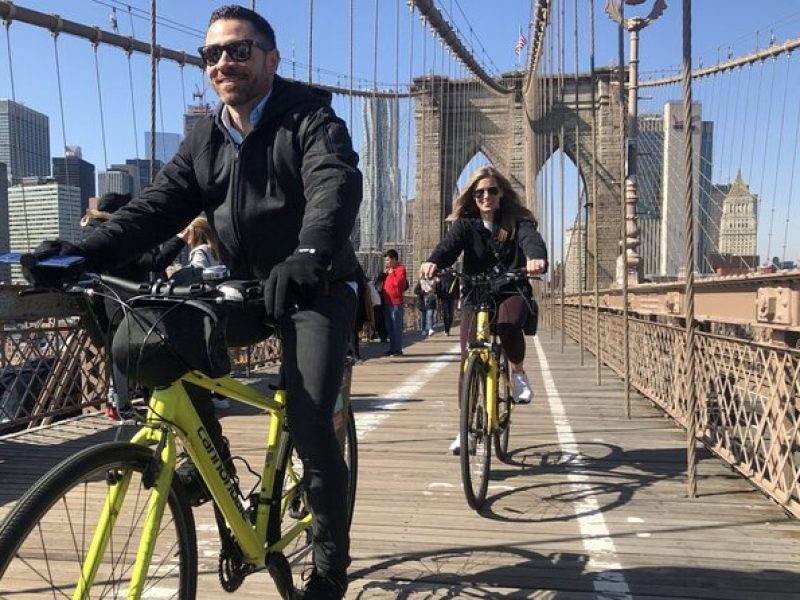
[(290, 484), (476, 444), (36, 552), (505, 406)]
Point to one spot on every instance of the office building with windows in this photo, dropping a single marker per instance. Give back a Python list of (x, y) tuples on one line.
[(24, 140), (73, 170), (40, 208)]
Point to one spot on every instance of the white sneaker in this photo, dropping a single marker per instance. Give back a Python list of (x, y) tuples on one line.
[(455, 447), (430, 332), (522, 388)]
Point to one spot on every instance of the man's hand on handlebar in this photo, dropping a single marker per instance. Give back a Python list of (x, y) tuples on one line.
[(51, 277)]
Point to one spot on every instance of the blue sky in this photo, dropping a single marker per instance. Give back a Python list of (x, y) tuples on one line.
[(492, 33)]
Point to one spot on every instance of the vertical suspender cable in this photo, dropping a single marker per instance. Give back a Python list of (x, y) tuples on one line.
[(61, 107), (688, 173), (791, 178), (578, 220), (310, 40), (410, 114), (561, 149), (17, 144), (153, 89), (596, 279), (622, 118), (100, 103), (351, 63), (396, 127)]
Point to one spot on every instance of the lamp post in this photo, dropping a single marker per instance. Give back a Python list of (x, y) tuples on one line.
[(633, 25)]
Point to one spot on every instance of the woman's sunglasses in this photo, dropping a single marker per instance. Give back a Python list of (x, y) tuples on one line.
[(481, 192), (238, 51)]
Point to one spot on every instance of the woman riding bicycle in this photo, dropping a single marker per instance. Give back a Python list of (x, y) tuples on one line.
[(494, 230)]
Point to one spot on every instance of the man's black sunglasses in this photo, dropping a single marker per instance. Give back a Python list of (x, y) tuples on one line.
[(238, 51)]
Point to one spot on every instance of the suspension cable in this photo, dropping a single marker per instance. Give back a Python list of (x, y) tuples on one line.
[(61, 107), (153, 89), (595, 282), (18, 143), (791, 177), (100, 104)]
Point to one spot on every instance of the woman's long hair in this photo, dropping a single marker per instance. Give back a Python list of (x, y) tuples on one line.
[(509, 212), (200, 232)]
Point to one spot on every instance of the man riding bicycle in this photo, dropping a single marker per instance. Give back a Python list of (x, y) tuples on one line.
[(493, 230), (274, 171)]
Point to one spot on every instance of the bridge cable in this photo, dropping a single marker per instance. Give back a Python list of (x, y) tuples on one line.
[(688, 356), (622, 197), (578, 218), (153, 89), (595, 282), (561, 151), (18, 142), (764, 159), (410, 111), (100, 104), (61, 109), (786, 81), (791, 178), (310, 40), (133, 105)]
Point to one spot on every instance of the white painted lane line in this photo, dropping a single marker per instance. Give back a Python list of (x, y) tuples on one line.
[(609, 581), (394, 399)]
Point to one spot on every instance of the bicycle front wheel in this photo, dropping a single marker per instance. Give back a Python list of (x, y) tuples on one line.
[(476, 442), (45, 540)]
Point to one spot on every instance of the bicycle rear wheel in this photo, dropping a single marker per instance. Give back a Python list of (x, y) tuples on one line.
[(476, 442), (45, 539), (505, 405)]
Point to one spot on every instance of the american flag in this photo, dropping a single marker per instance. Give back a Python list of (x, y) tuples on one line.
[(522, 41)]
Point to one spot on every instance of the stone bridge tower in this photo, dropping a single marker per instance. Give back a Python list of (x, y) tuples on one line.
[(518, 132)]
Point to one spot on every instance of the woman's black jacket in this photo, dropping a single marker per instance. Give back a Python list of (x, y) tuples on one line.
[(482, 252), (293, 183)]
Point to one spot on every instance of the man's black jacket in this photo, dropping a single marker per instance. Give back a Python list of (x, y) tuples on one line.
[(293, 183)]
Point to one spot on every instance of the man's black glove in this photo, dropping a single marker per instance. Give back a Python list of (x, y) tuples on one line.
[(295, 281), (51, 277)]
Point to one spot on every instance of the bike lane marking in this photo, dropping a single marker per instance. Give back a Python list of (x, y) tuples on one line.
[(609, 583), (367, 421)]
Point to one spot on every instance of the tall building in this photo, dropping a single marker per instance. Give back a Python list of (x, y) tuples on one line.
[(40, 208), (139, 170), (5, 270), (739, 225), (193, 114), (24, 140), (650, 164), (117, 181), (166, 145), (380, 218), (672, 247), (73, 170)]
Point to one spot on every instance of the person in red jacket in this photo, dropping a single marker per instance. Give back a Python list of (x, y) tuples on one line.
[(394, 285)]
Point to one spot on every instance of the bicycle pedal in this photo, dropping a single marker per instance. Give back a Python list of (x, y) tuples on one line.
[(281, 574), (298, 511)]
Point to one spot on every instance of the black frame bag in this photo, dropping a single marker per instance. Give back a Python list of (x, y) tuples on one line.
[(159, 340)]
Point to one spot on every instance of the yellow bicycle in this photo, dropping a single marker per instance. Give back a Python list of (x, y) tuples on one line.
[(113, 522), (487, 400)]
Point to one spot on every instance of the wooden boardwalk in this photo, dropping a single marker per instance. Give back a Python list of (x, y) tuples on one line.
[(594, 505)]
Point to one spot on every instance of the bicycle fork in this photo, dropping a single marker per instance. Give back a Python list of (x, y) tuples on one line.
[(161, 468)]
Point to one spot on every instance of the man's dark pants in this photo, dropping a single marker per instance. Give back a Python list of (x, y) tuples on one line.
[(315, 342)]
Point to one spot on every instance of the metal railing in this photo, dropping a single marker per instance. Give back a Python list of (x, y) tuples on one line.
[(747, 393), (50, 369)]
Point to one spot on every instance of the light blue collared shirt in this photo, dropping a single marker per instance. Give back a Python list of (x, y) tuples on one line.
[(255, 117)]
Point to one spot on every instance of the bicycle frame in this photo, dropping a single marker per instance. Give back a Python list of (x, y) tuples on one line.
[(483, 345), (171, 414)]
